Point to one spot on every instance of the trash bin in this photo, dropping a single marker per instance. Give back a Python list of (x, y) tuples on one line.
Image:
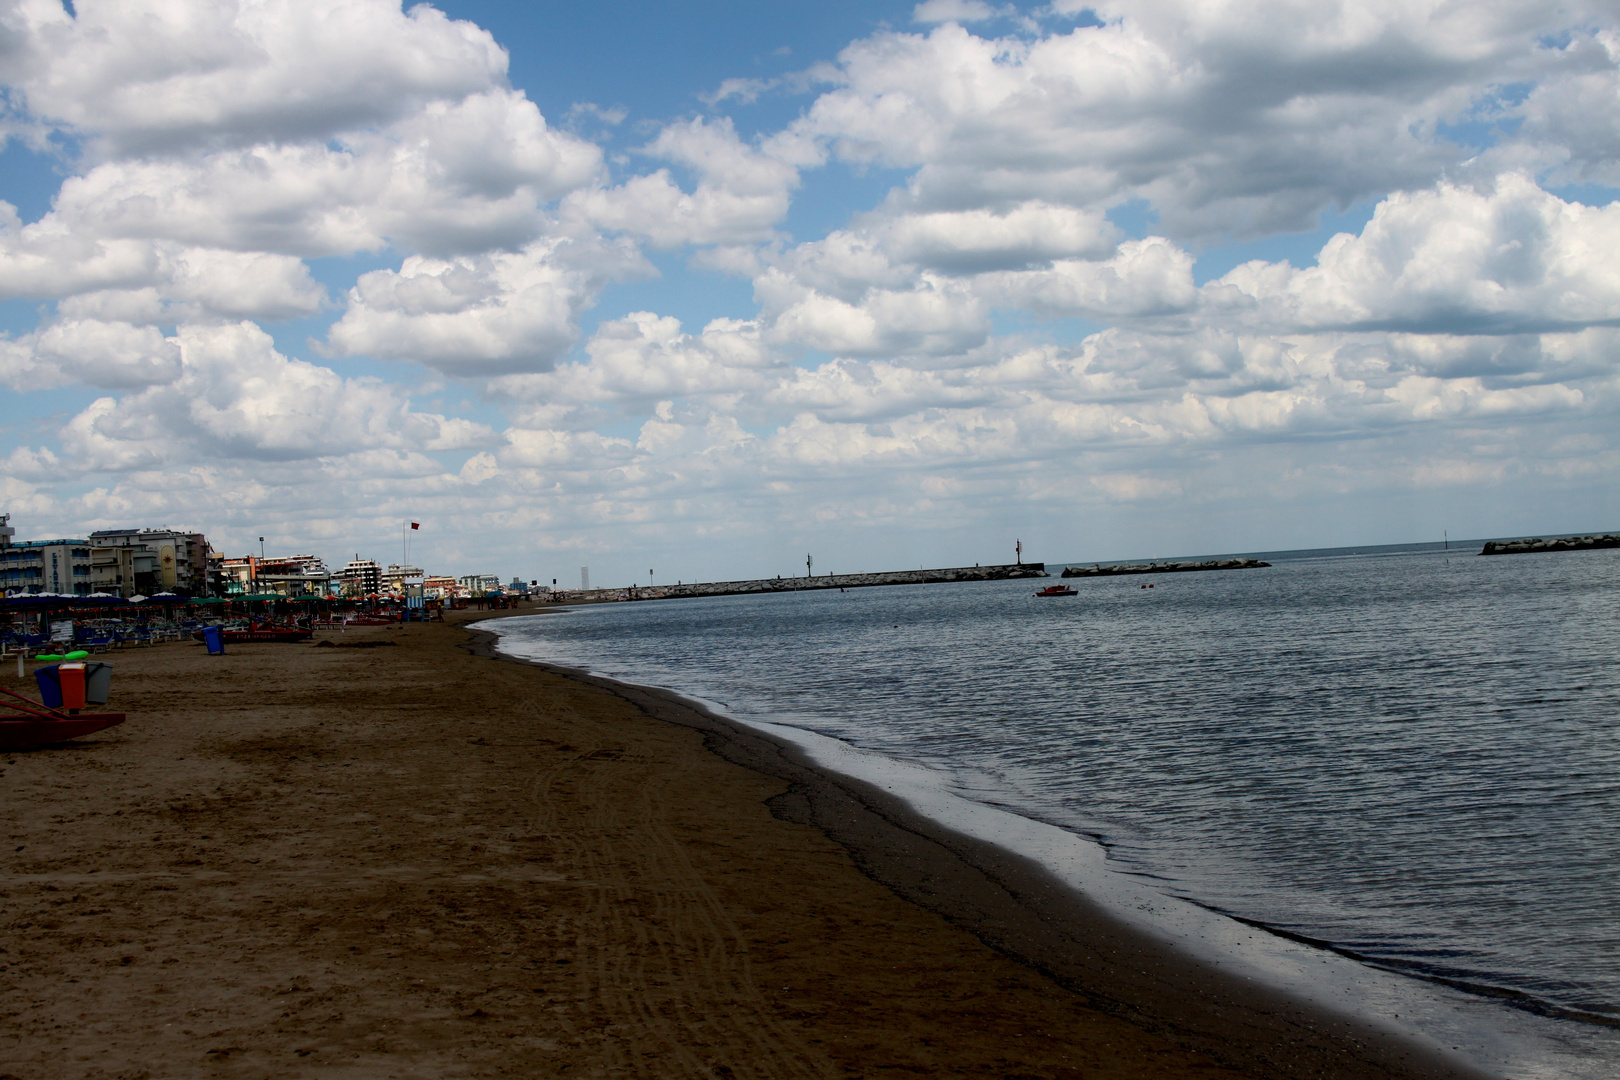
[(73, 686), (214, 638), (50, 686), (97, 682), (70, 681)]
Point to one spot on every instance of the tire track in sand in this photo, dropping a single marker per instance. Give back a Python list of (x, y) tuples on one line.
[(668, 966)]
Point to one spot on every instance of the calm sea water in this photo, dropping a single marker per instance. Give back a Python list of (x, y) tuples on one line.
[(1410, 755)]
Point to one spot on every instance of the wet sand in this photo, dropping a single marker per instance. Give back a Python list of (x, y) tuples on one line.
[(418, 861)]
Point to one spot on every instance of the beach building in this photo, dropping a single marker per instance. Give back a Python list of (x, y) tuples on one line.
[(237, 574), (46, 566), (288, 575), (359, 577), (112, 570), (294, 575), (164, 560), (397, 577), (479, 584), (441, 587)]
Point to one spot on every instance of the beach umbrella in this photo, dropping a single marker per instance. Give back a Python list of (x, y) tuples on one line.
[(42, 599)]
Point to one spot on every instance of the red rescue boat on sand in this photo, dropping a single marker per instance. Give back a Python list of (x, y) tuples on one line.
[(280, 634), (21, 732), (40, 726), (1057, 590)]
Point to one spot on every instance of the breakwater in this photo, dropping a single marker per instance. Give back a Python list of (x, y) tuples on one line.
[(1563, 543), (1098, 570), (799, 584)]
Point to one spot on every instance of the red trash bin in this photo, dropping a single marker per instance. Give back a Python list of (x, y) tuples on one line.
[(71, 677)]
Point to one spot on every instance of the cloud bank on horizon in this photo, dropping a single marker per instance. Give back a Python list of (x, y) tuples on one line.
[(309, 269)]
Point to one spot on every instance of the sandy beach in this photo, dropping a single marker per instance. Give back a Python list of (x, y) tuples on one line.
[(422, 860)]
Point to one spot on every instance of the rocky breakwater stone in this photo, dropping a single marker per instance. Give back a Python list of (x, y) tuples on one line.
[(1098, 570), (1002, 572), (1563, 543), (853, 581)]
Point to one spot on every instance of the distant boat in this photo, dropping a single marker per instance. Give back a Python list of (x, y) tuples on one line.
[(1057, 590)]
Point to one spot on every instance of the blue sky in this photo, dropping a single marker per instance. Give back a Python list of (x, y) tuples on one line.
[(706, 286)]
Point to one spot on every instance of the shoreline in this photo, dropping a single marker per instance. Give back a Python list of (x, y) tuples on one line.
[(1020, 908), (413, 863), (417, 862)]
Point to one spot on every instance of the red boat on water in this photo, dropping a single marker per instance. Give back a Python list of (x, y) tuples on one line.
[(1057, 590), (41, 726)]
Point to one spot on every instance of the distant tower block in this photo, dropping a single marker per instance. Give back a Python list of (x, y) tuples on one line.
[(584, 579)]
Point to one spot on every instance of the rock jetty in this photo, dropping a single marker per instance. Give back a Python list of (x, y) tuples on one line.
[(1003, 572), (1563, 543), (1098, 570)]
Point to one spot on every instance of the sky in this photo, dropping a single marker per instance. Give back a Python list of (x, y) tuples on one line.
[(702, 288)]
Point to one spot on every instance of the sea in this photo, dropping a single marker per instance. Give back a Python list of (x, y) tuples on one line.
[(1392, 771)]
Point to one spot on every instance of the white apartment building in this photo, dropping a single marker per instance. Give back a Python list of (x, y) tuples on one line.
[(165, 560), (479, 584), (359, 577), (46, 566), (396, 577)]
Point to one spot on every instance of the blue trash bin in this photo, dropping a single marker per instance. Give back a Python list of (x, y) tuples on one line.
[(214, 638), (50, 685)]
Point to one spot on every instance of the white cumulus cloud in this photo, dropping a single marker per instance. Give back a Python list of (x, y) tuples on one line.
[(1226, 117), (236, 397), (150, 76), (490, 314), (1453, 260)]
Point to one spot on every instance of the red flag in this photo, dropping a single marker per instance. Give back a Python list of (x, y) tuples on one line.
[(414, 525)]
